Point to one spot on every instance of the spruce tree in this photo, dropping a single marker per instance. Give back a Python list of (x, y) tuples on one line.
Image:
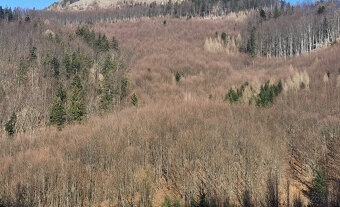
[(22, 71), (10, 125), (319, 191), (10, 16), (55, 65), (263, 14), (57, 113), (77, 100), (61, 93), (252, 42)]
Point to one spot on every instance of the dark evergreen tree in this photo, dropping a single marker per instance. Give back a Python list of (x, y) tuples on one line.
[(33, 53), (263, 14), (321, 9), (319, 190), (325, 28), (224, 37), (178, 76), (77, 106), (27, 19), (2, 13), (55, 65), (9, 13), (276, 12), (251, 46), (57, 112), (22, 71), (61, 93), (124, 87), (10, 125), (108, 65), (67, 65)]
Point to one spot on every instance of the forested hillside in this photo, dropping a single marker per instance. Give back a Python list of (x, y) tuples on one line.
[(173, 105)]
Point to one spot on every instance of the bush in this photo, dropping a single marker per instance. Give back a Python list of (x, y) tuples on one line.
[(224, 37), (134, 99), (168, 203), (178, 76)]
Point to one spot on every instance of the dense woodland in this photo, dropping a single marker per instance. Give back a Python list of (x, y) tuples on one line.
[(199, 103)]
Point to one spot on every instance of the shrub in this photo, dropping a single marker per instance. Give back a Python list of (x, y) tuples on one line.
[(178, 76), (169, 203), (224, 37), (134, 99)]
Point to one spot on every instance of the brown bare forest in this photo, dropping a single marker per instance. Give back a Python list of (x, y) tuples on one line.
[(164, 111)]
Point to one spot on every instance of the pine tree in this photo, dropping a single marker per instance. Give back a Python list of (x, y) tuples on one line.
[(77, 100), (57, 113), (10, 125)]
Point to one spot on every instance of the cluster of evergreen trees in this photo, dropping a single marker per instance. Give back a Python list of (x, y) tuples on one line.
[(69, 103), (99, 42), (10, 15), (70, 107), (267, 93), (74, 82), (234, 95), (264, 98)]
